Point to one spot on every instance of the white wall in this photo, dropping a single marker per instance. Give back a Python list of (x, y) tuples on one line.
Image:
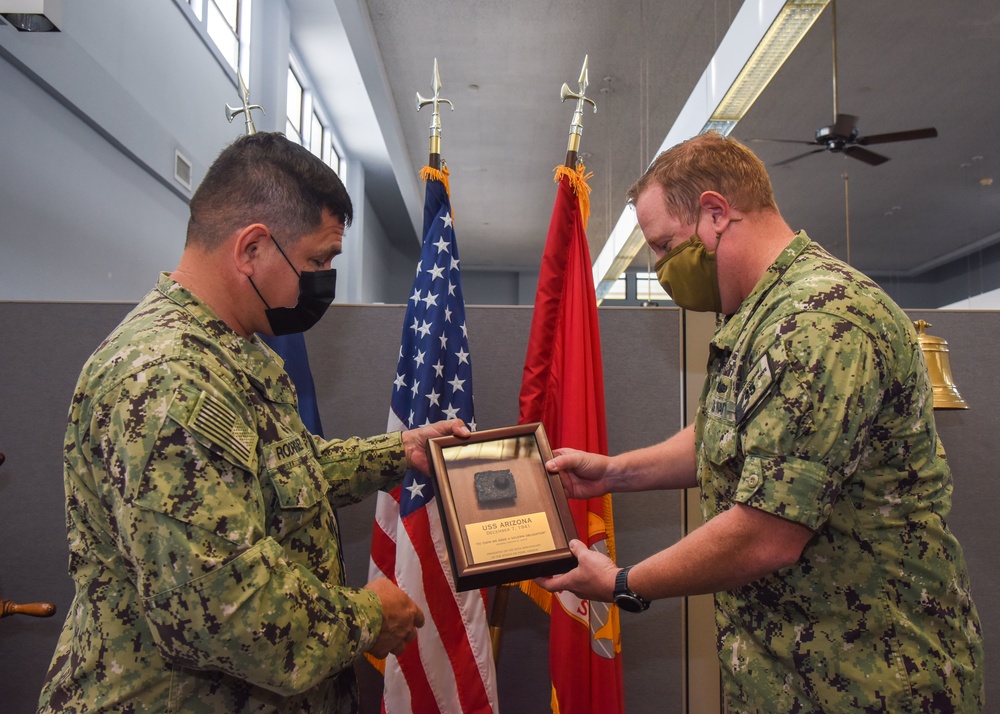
[(987, 301), (91, 118), (92, 115), (79, 220)]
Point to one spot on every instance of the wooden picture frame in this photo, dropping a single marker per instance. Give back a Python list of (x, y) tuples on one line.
[(505, 517)]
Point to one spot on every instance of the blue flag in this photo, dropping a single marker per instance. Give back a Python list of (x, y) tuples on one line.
[(292, 349)]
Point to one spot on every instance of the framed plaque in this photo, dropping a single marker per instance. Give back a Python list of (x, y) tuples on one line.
[(505, 517)]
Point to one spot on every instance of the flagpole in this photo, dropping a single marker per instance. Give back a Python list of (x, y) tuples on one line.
[(434, 160), (245, 109), (576, 125), (562, 386), (453, 669), (497, 615), (291, 348), (498, 612)]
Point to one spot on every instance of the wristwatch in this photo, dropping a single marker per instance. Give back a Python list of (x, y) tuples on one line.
[(624, 597)]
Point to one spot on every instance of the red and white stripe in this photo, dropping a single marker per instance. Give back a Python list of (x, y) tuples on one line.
[(449, 667)]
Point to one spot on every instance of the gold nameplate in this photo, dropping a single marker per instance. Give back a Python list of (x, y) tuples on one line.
[(509, 537), (505, 517)]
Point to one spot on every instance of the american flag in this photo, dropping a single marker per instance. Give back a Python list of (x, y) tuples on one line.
[(449, 668)]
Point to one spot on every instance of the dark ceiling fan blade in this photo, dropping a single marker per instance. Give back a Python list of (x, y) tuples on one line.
[(928, 133), (787, 141), (869, 157), (796, 158)]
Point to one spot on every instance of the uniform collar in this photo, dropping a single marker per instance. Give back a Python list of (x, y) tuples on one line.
[(730, 328), (260, 363)]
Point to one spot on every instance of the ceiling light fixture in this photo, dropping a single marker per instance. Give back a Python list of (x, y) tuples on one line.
[(32, 15), (775, 40), (782, 37)]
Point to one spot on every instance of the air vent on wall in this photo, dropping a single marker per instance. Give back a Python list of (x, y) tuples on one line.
[(182, 170)]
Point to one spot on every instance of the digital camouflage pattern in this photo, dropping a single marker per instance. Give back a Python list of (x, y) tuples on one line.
[(817, 408), (203, 542)]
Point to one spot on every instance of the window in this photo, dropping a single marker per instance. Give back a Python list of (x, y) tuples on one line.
[(293, 110), (316, 136), (323, 144), (225, 27), (335, 157), (618, 290), (648, 288), (305, 123)]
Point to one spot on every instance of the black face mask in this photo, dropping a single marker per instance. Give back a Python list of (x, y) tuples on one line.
[(316, 292)]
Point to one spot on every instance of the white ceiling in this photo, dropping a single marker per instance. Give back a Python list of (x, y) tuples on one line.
[(902, 64)]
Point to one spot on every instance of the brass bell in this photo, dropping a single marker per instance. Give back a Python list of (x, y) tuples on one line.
[(935, 351)]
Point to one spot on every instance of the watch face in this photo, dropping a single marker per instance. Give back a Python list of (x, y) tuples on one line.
[(628, 603), (625, 598)]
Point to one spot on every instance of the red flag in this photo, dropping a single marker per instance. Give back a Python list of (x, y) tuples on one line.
[(563, 387), (449, 669)]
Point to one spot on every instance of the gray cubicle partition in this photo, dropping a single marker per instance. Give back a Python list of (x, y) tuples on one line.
[(353, 353), (353, 356), (972, 440)]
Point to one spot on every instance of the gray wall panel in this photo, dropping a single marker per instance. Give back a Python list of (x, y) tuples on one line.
[(970, 438), (353, 354), (42, 348)]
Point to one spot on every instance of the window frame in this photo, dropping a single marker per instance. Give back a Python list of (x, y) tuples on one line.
[(196, 13), (314, 112)]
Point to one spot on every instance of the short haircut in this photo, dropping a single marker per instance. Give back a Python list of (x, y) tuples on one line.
[(265, 178), (708, 162)]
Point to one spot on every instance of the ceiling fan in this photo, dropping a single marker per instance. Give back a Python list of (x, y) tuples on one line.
[(842, 137)]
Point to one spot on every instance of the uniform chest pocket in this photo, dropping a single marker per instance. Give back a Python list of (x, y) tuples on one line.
[(296, 476), (719, 442)]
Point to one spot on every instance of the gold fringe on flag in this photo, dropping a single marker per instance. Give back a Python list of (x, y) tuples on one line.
[(578, 180), (605, 525), (542, 598), (377, 663), (609, 525), (428, 173)]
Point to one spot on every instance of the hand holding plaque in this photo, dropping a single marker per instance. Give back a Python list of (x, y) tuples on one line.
[(505, 517)]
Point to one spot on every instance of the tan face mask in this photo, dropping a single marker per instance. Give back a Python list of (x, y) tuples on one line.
[(690, 275)]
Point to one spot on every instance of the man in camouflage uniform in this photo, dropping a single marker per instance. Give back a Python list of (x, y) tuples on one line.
[(838, 585), (203, 542)]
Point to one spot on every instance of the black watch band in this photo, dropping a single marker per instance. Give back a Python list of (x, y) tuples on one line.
[(625, 598)]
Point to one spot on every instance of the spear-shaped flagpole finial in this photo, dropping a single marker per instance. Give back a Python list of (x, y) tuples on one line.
[(435, 137), (576, 126), (245, 109)]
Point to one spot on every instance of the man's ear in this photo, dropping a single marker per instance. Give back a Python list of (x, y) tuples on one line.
[(247, 247), (716, 205)]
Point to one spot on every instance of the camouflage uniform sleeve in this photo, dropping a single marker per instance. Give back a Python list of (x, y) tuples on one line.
[(356, 468), (807, 430), (218, 592)]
